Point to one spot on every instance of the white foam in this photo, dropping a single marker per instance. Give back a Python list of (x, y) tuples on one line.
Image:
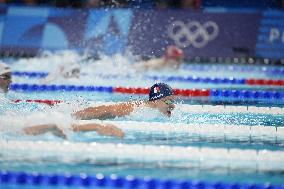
[(16, 120)]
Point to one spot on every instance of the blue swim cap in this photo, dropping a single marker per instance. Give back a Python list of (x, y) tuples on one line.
[(160, 90)]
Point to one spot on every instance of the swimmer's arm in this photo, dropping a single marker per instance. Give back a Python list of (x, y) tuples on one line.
[(100, 112), (106, 129), (41, 129), (104, 112)]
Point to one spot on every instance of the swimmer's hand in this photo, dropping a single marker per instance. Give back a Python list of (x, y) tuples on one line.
[(59, 132), (102, 129), (42, 129), (110, 130)]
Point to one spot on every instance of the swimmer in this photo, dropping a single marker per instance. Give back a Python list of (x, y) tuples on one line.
[(172, 59), (66, 71), (5, 78), (161, 97), (102, 129)]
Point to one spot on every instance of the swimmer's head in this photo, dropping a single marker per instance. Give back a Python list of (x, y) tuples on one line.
[(174, 53), (5, 77), (161, 97), (160, 90), (71, 71), (4, 69)]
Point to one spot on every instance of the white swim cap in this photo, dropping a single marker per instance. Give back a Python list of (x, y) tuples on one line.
[(4, 68)]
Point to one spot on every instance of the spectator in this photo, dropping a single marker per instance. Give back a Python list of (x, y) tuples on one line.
[(93, 4), (68, 3), (30, 2), (116, 3), (189, 4), (162, 4)]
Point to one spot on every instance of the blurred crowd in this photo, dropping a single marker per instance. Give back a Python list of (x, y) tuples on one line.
[(159, 4)]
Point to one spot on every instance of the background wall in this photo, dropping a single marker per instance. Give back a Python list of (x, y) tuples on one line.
[(143, 32)]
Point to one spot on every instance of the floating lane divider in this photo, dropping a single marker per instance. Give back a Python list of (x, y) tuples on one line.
[(216, 109), (48, 102), (219, 109), (191, 79), (99, 180), (200, 157), (232, 68), (36, 87), (242, 94), (243, 132)]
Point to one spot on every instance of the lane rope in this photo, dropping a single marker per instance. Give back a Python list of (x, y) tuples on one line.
[(191, 79), (202, 156), (99, 180), (239, 94)]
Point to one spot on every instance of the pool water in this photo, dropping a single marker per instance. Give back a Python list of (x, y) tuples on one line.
[(139, 126)]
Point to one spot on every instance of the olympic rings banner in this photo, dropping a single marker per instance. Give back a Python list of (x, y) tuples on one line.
[(197, 33), (142, 32)]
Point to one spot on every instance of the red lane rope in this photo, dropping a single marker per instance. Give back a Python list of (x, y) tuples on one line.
[(180, 92), (133, 90), (265, 82), (192, 92), (48, 102)]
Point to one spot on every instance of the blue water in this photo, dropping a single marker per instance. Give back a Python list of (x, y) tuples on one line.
[(154, 169)]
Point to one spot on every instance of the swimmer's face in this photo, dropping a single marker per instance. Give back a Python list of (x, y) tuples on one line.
[(5, 81), (166, 105)]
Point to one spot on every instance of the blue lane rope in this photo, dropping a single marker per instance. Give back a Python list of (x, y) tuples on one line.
[(241, 94), (162, 78), (30, 74), (246, 94), (101, 181), (35, 87)]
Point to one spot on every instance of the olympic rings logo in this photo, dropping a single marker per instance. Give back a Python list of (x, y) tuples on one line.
[(192, 33)]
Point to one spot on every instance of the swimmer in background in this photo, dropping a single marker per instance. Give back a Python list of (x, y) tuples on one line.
[(102, 129), (66, 71), (172, 59), (5, 78)]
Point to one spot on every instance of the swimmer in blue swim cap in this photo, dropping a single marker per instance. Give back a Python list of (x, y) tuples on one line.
[(161, 97)]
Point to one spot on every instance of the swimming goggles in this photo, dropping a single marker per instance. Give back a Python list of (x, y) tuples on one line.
[(169, 102), (6, 76)]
